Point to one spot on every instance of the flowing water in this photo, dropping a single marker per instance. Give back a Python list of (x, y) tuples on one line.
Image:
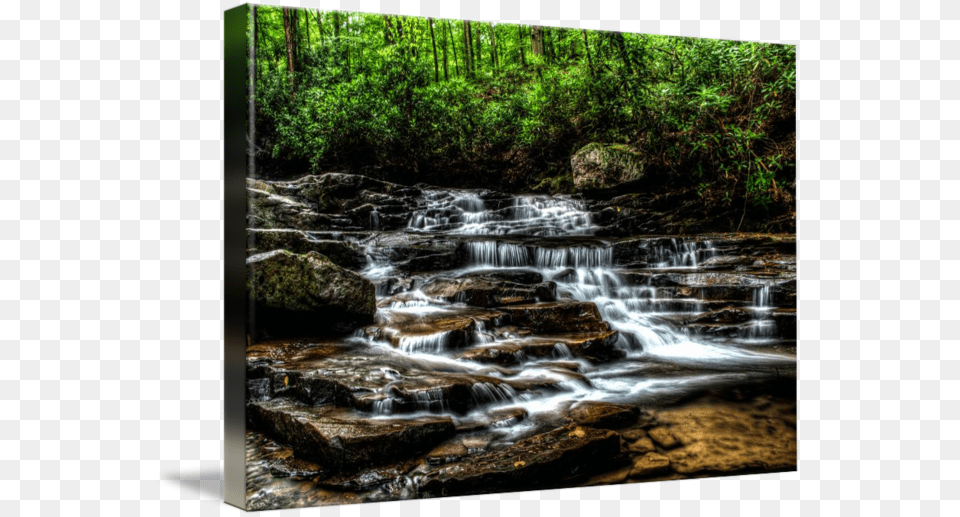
[(660, 358), (507, 315)]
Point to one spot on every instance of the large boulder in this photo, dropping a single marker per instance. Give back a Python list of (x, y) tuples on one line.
[(268, 210), (597, 166), (540, 460), (307, 295), (557, 317), (343, 254), (339, 438)]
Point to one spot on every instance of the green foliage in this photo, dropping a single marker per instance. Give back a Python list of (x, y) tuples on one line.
[(364, 91)]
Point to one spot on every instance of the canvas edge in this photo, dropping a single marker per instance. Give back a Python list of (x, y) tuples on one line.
[(235, 121)]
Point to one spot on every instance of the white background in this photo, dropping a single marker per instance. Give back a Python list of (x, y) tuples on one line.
[(111, 272)]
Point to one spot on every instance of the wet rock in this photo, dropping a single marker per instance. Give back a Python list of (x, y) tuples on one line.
[(786, 322), (378, 381), (730, 437), (594, 346), (343, 254), (411, 253), (353, 201), (557, 317), (434, 331), (267, 491), (295, 467), (447, 452), (519, 276), (727, 315), (539, 460), (603, 415), (266, 210), (612, 477), (307, 295), (662, 252), (365, 477), (633, 434), (650, 464), (597, 166), (339, 438), (642, 446), (495, 419), (488, 291), (663, 437)]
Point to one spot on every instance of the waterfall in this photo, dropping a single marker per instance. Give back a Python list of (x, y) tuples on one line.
[(465, 213)]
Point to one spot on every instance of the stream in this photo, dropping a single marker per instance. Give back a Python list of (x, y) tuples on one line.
[(504, 313)]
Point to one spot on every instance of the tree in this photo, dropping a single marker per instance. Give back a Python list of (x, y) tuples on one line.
[(493, 42), (436, 68), (523, 59), (456, 62), (445, 76), (467, 64), (289, 44), (536, 39)]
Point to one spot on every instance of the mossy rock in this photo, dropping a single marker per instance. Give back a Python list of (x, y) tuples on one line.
[(597, 166), (306, 295)]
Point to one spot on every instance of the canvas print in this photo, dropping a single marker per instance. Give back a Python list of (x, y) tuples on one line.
[(485, 257)]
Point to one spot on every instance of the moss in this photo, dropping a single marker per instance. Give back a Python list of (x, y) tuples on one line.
[(598, 165)]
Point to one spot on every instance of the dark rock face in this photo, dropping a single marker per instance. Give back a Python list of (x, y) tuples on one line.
[(341, 438), (556, 317), (344, 254), (267, 210), (489, 291), (361, 203), (597, 166), (411, 253), (540, 460), (595, 346), (518, 276), (307, 295)]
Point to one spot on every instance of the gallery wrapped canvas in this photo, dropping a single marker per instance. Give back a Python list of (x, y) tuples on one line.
[(467, 257)]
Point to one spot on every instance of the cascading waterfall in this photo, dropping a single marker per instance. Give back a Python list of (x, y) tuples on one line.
[(645, 315), (465, 213), (426, 343)]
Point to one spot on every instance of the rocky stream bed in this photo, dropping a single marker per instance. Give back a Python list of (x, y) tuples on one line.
[(421, 342)]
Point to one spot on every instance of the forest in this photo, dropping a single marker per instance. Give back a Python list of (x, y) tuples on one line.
[(704, 124)]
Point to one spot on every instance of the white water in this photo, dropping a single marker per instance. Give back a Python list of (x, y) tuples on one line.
[(465, 213), (645, 316)]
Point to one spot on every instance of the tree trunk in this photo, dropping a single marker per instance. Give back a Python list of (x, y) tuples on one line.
[(445, 76), (479, 46), (493, 41), (473, 56), (536, 40), (466, 48), (523, 58), (456, 60), (289, 44), (436, 66)]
